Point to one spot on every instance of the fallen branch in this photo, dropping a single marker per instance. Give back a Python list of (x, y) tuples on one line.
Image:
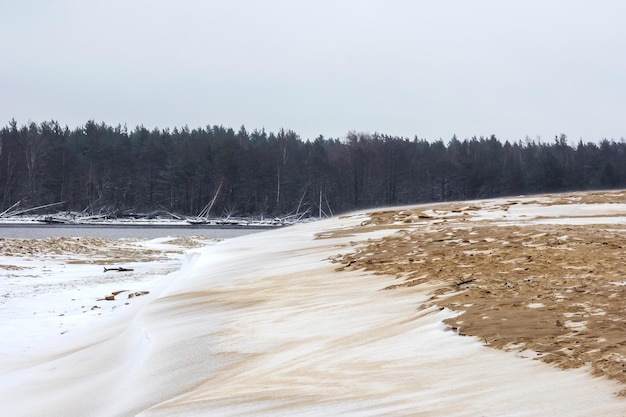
[(6, 212), (15, 213), (118, 269)]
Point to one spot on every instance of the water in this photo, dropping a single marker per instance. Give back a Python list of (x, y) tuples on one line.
[(42, 231)]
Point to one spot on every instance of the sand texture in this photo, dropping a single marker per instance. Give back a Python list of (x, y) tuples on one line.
[(548, 288), (394, 312)]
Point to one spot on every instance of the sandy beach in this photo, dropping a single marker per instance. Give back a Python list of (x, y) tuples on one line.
[(508, 307), (552, 287)]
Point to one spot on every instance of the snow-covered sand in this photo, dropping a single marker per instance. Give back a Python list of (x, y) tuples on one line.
[(265, 324), (52, 287)]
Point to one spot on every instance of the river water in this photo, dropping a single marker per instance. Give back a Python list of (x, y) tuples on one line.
[(28, 231)]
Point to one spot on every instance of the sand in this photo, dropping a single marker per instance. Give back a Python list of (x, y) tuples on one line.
[(549, 288), (393, 313)]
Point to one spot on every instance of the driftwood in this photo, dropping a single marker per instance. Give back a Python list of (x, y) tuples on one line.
[(15, 213), (116, 293), (118, 269), (205, 211), (7, 211)]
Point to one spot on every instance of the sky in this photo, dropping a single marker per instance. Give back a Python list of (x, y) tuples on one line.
[(519, 70)]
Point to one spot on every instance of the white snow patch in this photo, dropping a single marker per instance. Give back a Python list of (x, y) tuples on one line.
[(575, 325)]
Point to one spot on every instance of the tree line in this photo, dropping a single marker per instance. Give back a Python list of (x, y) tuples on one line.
[(100, 168)]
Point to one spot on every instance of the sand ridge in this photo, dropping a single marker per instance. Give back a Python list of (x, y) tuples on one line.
[(553, 292)]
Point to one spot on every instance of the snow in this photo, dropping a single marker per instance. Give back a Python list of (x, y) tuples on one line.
[(76, 219), (556, 213), (263, 325)]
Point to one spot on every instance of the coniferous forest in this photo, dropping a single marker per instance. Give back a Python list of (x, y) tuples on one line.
[(98, 168)]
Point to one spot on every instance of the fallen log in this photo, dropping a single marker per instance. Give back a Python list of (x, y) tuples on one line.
[(118, 269)]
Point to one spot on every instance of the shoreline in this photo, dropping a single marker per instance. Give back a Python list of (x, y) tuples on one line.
[(311, 320), (120, 225)]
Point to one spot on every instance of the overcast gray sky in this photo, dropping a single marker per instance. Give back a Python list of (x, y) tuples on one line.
[(408, 68)]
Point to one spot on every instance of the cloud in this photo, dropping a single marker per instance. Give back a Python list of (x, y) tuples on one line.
[(400, 67)]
